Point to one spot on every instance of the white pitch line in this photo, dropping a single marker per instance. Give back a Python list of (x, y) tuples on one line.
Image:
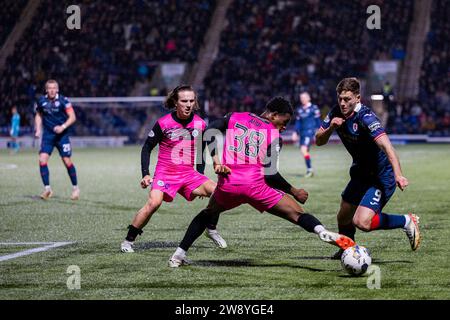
[(8, 166), (48, 246)]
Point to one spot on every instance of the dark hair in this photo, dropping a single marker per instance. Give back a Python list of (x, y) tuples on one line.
[(172, 97), (348, 84), (279, 105)]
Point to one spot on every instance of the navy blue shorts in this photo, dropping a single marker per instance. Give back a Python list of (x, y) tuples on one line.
[(60, 141), (307, 139), (369, 190)]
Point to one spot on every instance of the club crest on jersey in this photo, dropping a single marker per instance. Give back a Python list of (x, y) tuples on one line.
[(57, 103), (327, 119), (151, 134), (355, 127), (195, 133), (160, 183)]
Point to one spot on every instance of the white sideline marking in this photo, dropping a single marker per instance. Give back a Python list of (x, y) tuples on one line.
[(47, 246), (8, 166)]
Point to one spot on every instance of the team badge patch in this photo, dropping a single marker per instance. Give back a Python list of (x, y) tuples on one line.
[(160, 183), (355, 127), (195, 133), (327, 119), (151, 134), (57, 103), (374, 126)]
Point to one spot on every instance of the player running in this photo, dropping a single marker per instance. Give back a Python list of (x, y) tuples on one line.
[(55, 114), (306, 123), (375, 170), (249, 174), (177, 133)]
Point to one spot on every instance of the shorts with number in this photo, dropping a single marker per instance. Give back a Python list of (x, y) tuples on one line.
[(369, 190), (307, 139), (60, 141), (260, 196), (184, 183)]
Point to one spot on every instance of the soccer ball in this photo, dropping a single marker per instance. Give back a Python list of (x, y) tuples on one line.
[(355, 260)]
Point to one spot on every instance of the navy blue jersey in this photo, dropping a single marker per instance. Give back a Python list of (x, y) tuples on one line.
[(358, 134), (307, 119), (53, 112)]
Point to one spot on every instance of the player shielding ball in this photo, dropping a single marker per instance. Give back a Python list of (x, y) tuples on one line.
[(55, 114), (307, 121), (177, 134), (375, 171), (248, 173)]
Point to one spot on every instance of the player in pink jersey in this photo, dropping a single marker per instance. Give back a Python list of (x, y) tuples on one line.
[(177, 134), (248, 173)]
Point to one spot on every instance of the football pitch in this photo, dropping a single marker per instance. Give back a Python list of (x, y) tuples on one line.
[(266, 258)]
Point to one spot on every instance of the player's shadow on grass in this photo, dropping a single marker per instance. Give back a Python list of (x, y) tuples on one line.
[(251, 263), (390, 261), (159, 245)]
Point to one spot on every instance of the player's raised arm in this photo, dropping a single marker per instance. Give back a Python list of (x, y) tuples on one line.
[(154, 137), (273, 177), (385, 144)]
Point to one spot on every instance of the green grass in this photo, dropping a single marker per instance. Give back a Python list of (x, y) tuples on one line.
[(267, 258)]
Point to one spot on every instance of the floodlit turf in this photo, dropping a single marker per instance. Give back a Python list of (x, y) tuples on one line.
[(267, 258)]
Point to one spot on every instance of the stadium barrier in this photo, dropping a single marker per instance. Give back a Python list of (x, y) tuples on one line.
[(77, 142), (395, 138)]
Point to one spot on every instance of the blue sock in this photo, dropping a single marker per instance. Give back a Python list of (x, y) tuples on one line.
[(72, 174), (308, 162), (384, 221), (45, 174)]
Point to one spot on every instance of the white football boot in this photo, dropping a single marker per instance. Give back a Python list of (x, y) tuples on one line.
[(127, 246), (177, 261), (413, 232), (216, 238)]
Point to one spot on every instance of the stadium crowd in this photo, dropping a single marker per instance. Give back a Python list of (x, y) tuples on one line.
[(116, 46), (267, 48)]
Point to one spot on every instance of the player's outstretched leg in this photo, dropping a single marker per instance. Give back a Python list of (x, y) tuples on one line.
[(289, 209), (73, 178), (345, 224), (45, 175), (368, 220), (211, 232), (141, 219), (195, 229)]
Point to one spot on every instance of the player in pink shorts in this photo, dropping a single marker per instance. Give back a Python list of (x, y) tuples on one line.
[(248, 173), (177, 134)]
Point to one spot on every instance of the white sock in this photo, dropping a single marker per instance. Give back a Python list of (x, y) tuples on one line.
[(75, 187), (180, 252), (211, 230), (318, 229), (47, 188), (407, 220)]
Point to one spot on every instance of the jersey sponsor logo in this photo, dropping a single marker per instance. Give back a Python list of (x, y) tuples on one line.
[(180, 134), (374, 126), (151, 134)]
